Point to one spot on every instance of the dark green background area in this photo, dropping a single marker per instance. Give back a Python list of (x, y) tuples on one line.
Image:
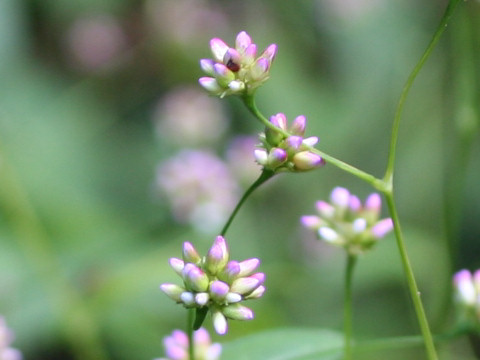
[(84, 243)]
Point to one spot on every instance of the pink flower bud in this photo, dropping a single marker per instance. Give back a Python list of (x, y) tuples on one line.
[(465, 290), (261, 156), (210, 84), (311, 222), (243, 41), (247, 267), (177, 265), (340, 197), (238, 312), (259, 70), (276, 157), (354, 203), (207, 66), (310, 141), (299, 125), (306, 160), (219, 289), (190, 254), (202, 298), (325, 209), (217, 256), (382, 228), (195, 279), (250, 54), (172, 291), (223, 74), (257, 293), (373, 203), (294, 142), (270, 52), (245, 285), (279, 120), (219, 48), (219, 322)]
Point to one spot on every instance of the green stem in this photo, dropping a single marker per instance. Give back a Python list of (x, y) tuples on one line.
[(264, 176), (191, 344), (249, 101), (411, 78), (412, 284), (78, 325), (348, 306)]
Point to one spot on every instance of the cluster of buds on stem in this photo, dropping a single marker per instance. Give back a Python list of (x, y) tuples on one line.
[(213, 283), (347, 223), (285, 148), (236, 70), (466, 288), (176, 346)]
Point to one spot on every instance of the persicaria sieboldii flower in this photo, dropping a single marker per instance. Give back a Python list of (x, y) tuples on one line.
[(176, 346), (466, 287), (215, 283), (348, 223), (236, 70), (6, 338), (281, 152)]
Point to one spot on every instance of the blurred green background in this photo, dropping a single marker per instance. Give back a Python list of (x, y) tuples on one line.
[(86, 119)]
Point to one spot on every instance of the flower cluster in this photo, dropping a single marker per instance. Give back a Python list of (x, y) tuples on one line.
[(238, 70), (347, 223), (6, 337), (216, 284), (282, 152), (176, 346), (467, 296)]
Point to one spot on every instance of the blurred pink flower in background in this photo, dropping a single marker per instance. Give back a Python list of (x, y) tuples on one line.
[(199, 187), (240, 158), (187, 117), (184, 22), (94, 43)]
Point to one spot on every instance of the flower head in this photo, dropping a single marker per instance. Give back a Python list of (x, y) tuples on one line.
[(285, 148), (466, 287), (216, 283), (176, 346), (236, 70), (345, 222)]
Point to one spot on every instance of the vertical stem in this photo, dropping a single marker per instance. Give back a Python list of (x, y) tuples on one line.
[(412, 284), (348, 307), (406, 89), (191, 344), (264, 176)]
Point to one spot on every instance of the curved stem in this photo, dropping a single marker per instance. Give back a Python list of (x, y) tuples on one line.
[(191, 344), (348, 306), (411, 78), (412, 284), (264, 176)]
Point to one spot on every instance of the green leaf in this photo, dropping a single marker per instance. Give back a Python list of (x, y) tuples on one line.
[(286, 344)]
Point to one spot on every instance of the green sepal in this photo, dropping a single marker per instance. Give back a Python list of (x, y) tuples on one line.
[(200, 315)]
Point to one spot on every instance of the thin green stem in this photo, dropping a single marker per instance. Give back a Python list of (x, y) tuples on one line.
[(412, 284), (191, 344), (348, 306), (406, 89), (264, 176), (249, 101)]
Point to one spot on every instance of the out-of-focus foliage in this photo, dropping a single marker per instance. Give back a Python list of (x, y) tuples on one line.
[(86, 91)]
